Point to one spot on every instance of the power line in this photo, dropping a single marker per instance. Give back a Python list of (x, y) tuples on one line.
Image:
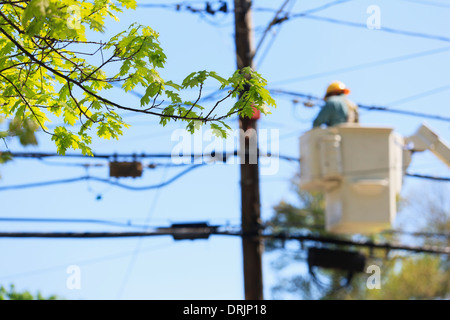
[(204, 232), (308, 15), (405, 112), (61, 220), (419, 95), (367, 107), (428, 177), (151, 165), (97, 156), (362, 243), (158, 186), (357, 172), (146, 226), (222, 155), (273, 22), (320, 8), (321, 227), (112, 156), (139, 244), (114, 183), (429, 3), (84, 262), (419, 234), (383, 29), (364, 65)]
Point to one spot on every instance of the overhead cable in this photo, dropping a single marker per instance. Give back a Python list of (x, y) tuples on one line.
[(367, 107), (383, 29), (108, 181), (364, 65), (203, 232)]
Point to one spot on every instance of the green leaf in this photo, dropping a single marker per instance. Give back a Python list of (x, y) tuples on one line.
[(151, 91), (175, 97), (223, 81), (35, 9), (70, 115), (129, 4), (195, 79), (173, 85), (218, 131)]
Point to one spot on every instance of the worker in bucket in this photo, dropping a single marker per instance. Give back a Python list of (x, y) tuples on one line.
[(338, 109)]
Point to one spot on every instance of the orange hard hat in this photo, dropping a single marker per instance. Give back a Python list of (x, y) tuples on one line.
[(337, 87)]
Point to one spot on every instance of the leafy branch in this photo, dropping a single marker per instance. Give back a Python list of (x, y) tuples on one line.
[(44, 71)]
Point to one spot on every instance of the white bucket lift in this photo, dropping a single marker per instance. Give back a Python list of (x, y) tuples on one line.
[(360, 170)]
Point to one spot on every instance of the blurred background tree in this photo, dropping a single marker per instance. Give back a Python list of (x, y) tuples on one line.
[(24, 131), (403, 276), (12, 294)]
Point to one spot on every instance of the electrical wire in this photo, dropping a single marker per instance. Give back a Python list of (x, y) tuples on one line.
[(320, 8), (362, 171), (223, 155), (68, 164), (139, 244), (207, 9), (83, 262), (362, 243), (114, 183), (364, 65), (419, 95), (111, 156), (308, 15), (429, 3), (61, 220), (383, 29), (212, 231), (151, 165), (362, 106), (273, 22), (418, 234), (145, 226), (428, 177), (321, 227)]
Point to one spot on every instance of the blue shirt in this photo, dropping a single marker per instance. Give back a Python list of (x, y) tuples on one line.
[(334, 112)]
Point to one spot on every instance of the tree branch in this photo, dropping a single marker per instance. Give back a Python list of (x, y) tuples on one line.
[(220, 101), (60, 74), (10, 23), (28, 105), (78, 105)]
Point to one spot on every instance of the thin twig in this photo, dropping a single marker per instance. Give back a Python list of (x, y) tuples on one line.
[(199, 96), (78, 105), (220, 101)]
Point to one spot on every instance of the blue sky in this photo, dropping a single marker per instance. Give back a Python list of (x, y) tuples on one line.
[(160, 268)]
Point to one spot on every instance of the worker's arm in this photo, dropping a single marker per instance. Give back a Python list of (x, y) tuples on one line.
[(323, 117)]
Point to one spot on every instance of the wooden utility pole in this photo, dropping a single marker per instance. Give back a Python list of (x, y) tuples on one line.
[(251, 216)]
